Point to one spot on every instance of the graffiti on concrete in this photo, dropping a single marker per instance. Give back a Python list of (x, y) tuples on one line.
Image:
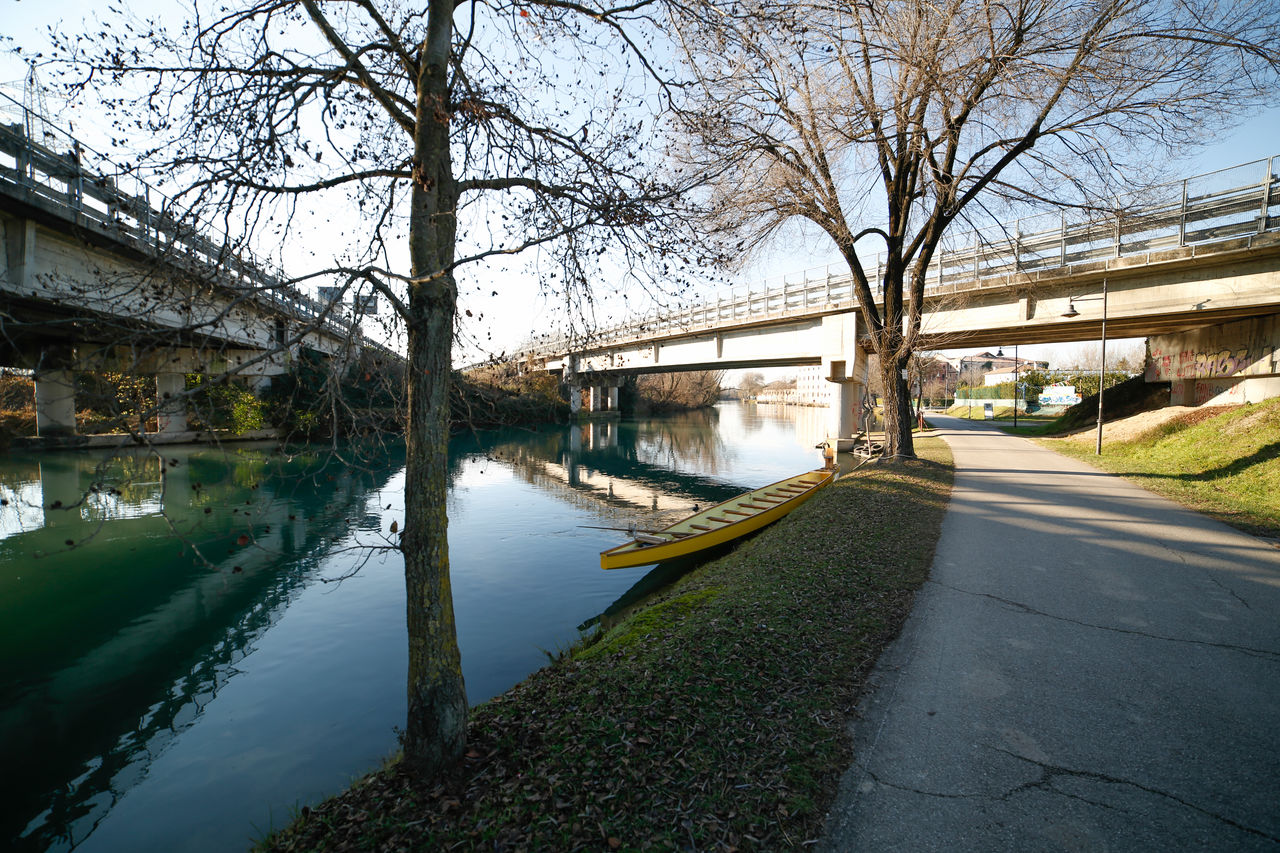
[(1245, 348), (1219, 393), (1192, 364)]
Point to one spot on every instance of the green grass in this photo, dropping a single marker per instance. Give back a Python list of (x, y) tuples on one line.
[(713, 719), (1226, 465)]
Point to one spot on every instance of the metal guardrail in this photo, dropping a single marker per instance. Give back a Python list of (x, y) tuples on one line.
[(1221, 205), (88, 188)]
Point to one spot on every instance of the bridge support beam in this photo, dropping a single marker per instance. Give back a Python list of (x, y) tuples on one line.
[(55, 403)]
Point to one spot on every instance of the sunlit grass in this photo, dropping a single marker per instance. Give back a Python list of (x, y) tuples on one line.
[(1226, 466)]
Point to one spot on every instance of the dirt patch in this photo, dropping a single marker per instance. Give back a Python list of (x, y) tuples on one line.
[(1126, 429)]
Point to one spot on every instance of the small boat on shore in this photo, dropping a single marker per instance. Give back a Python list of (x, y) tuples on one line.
[(721, 523)]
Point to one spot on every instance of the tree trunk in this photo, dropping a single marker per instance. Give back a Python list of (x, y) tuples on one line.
[(435, 730), (897, 406)]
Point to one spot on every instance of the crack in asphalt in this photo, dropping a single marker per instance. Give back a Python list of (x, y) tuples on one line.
[(1266, 654), (1230, 592), (1050, 772)]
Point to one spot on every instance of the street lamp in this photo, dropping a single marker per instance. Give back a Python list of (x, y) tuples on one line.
[(960, 376), (1102, 368)]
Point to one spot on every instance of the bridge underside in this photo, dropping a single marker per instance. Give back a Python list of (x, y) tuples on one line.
[(1223, 292)]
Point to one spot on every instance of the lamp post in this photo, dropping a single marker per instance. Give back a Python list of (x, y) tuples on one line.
[(1102, 368), (960, 376)]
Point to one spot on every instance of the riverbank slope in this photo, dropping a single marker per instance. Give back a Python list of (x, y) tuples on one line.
[(1222, 461), (714, 718)]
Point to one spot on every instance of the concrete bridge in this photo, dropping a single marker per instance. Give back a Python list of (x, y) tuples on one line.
[(102, 272), (1195, 267)]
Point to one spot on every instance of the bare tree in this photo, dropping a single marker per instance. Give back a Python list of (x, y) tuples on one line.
[(900, 118), (690, 389), (444, 135), (751, 383)]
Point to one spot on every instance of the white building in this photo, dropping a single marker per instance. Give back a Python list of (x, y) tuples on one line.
[(812, 388)]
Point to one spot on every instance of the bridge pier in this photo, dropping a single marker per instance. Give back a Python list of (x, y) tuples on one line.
[(845, 365), (600, 398), (845, 411), (604, 398), (172, 415), (55, 402)]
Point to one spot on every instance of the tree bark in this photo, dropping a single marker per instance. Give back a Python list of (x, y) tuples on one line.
[(435, 729)]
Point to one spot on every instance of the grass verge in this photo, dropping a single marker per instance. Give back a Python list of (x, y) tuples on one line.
[(714, 719), (1223, 464)]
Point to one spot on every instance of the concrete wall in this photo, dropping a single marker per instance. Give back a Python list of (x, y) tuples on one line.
[(1229, 364)]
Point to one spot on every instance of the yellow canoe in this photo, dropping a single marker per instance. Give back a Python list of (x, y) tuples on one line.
[(721, 523)]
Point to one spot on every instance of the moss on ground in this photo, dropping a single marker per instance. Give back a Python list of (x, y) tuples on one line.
[(714, 719)]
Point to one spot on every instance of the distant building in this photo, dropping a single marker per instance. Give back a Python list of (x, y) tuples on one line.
[(809, 389), (998, 368), (812, 388)]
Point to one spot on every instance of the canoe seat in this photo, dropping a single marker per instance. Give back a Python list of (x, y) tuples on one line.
[(717, 519), (737, 512), (699, 527)]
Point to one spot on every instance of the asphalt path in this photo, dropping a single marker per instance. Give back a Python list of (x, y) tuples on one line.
[(1089, 667)]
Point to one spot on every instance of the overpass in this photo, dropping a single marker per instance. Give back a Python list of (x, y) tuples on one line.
[(1194, 267), (102, 272)]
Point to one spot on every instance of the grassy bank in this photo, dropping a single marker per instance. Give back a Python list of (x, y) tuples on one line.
[(1224, 463), (715, 718)]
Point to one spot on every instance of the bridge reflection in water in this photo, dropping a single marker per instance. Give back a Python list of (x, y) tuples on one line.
[(132, 586), (176, 679), (653, 472)]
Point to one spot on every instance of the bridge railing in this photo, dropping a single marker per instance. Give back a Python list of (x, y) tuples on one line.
[(58, 171), (1216, 206)]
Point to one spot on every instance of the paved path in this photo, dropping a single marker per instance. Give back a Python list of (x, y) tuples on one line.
[(1089, 667)]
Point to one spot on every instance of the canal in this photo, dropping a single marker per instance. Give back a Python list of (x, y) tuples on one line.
[(194, 645)]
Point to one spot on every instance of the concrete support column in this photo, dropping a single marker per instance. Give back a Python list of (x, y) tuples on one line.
[(845, 409), (575, 399), (613, 398), (258, 383), (594, 405), (173, 405), (55, 403)]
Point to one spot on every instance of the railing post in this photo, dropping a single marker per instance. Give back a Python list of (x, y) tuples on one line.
[(1182, 216), (1266, 199), (25, 167), (1063, 239), (1119, 234)]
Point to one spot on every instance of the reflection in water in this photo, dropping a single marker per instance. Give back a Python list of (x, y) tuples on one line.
[(132, 585), (172, 677), (628, 471)]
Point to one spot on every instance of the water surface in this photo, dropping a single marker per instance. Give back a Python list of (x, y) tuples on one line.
[(180, 666)]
